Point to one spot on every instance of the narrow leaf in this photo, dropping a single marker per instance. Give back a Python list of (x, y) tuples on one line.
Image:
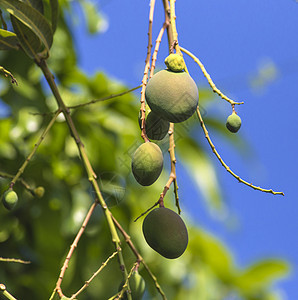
[(30, 43), (261, 274), (37, 4), (93, 18), (8, 40), (54, 14), (213, 253), (32, 18)]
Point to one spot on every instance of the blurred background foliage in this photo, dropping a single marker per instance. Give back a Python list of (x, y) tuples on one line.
[(41, 230)]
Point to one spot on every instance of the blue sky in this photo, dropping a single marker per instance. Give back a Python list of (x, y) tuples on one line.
[(234, 39)]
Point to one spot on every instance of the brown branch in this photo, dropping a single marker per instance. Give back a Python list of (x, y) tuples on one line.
[(156, 49), (72, 248)]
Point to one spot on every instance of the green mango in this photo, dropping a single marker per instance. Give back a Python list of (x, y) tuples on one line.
[(172, 95), (147, 163), (165, 232)]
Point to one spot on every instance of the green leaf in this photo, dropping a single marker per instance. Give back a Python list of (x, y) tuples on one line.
[(93, 18), (30, 43), (32, 18), (37, 4), (197, 162), (54, 13), (213, 253), (8, 40), (259, 275)]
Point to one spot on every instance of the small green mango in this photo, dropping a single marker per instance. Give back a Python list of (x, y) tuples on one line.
[(147, 163), (233, 122), (10, 199), (137, 286), (165, 232), (39, 191), (175, 62)]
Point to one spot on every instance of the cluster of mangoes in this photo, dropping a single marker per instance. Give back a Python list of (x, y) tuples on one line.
[(10, 197), (172, 96)]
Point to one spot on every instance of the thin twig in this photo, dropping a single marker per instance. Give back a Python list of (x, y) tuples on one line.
[(15, 260), (211, 83), (173, 174), (8, 74), (226, 166), (139, 257), (5, 292), (125, 285), (41, 138), (175, 44), (104, 264), (147, 210), (20, 179), (156, 49), (104, 98), (177, 196), (146, 70), (73, 247)]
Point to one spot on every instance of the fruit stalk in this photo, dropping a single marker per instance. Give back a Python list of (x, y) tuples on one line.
[(208, 77), (226, 166)]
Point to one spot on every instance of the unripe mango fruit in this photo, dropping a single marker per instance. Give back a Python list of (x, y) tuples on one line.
[(233, 122), (136, 285), (175, 62), (156, 127), (172, 95), (10, 199), (165, 232), (39, 191), (147, 163)]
